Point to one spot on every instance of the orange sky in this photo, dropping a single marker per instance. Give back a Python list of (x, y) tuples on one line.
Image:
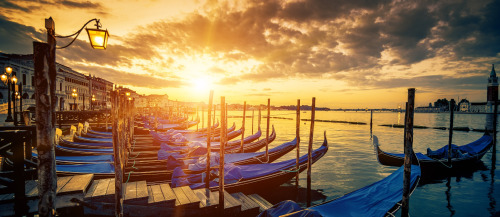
[(347, 54)]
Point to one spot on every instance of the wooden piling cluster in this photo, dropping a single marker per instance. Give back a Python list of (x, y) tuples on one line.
[(122, 116)]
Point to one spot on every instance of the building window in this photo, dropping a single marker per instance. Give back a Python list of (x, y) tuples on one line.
[(24, 79), (60, 86), (33, 81)]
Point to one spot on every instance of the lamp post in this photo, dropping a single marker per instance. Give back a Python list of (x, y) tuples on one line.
[(44, 56), (93, 102), (7, 79), (16, 96), (74, 95)]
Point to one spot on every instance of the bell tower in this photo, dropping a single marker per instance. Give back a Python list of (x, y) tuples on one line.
[(493, 85), (492, 95)]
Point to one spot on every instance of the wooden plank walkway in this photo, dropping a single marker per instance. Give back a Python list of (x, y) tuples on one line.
[(68, 187), (162, 200)]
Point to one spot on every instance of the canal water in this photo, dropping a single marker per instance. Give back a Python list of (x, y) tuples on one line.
[(351, 163)]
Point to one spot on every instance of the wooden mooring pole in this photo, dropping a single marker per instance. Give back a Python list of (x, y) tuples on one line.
[(267, 131), (44, 55), (452, 109), (297, 136), (309, 151), (209, 138), (243, 126), (221, 153), (252, 119), (408, 152), (260, 116), (117, 126), (371, 123)]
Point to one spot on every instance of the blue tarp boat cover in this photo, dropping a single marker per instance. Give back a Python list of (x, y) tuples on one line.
[(84, 159), (234, 173), (284, 207), (201, 163), (94, 139), (87, 168), (97, 144), (97, 150), (93, 135), (457, 151), (100, 132), (372, 200), (464, 151)]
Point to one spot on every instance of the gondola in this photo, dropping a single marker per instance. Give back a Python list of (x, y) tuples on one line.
[(63, 150), (214, 144), (159, 172), (85, 145), (161, 137), (436, 162), (253, 177), (77, 138), (247, 148), (382, 198)]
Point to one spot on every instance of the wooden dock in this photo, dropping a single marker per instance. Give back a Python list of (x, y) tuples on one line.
[(82, 195)]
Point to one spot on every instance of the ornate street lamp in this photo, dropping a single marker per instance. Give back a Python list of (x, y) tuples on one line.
[(45, 69), (74, 95), (7, 80), (98, 37)]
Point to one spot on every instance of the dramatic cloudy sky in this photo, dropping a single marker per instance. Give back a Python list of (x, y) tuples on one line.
[(346, 53)]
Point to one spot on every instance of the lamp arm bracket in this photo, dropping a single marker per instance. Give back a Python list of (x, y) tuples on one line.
[(98, 24)]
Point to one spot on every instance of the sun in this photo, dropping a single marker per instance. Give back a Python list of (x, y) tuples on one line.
[(201, 84)]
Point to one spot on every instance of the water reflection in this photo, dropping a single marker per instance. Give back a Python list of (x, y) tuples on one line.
[(288, 191), (448, 196), (492, 207)]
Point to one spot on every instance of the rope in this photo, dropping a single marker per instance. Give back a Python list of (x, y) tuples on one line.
[(133, 166), (391, 214), (267, 161), (449, 167), (129, 176), (290, 171), (133, 157)]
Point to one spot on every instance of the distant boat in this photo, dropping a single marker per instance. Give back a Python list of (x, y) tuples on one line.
[(436, 162)]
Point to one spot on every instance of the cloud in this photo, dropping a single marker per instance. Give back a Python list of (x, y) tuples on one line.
[(124, 78), (76, 4), (352, 41), (9, 5), (17, 38)]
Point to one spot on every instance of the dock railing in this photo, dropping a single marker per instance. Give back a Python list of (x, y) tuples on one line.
[(15, 146)]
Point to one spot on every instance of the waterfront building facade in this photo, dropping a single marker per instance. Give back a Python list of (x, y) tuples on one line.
[(464, 105), (22, 68), (99, 90), (67, 79)]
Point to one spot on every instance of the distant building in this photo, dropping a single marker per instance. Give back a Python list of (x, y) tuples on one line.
[(464, 105), (477, 107)]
